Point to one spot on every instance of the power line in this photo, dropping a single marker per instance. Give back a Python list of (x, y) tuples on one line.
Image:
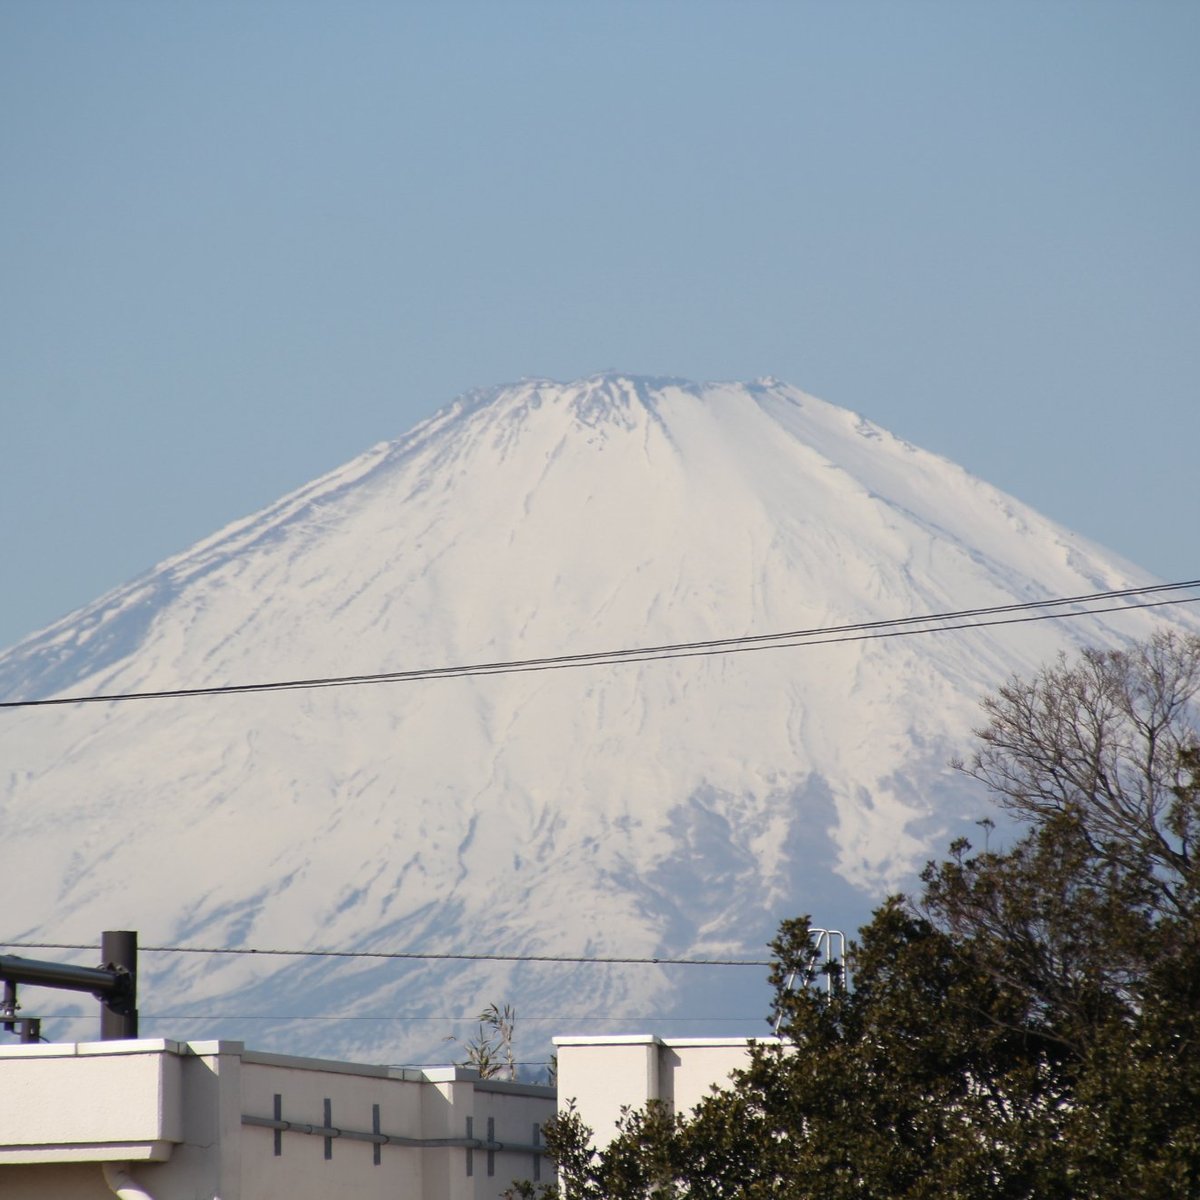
[(819, 636), (431, 956), (457, 1019)]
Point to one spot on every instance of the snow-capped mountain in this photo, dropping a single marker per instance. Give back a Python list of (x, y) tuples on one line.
[(655, 809)]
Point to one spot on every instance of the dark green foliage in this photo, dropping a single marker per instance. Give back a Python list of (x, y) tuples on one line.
[(1030, 1027)]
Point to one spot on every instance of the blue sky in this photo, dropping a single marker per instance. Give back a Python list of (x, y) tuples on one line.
[(240, 243)]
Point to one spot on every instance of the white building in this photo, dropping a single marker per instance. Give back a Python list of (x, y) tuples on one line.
[(151, 1118), (602, 1075)]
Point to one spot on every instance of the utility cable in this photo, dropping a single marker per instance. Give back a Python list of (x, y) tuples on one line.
[(819, 636), (431, 956), (469, 1019)]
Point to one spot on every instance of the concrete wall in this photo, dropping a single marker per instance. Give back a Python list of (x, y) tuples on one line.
[(212, 1119), (601, 1075)]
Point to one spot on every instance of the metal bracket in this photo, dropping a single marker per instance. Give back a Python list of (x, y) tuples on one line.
[(27, 1029)]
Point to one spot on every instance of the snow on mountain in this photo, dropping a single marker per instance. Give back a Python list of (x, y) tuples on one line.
[(652, 809)]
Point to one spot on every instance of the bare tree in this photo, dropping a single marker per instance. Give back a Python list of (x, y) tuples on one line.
[(1109, 741)]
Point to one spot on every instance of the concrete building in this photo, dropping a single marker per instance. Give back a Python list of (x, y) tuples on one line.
[(601, 1075), (151, 1118)]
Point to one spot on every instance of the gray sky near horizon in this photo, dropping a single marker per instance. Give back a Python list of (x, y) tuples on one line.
[(240, 243)]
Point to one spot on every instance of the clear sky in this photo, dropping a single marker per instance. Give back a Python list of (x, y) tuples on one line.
[(242, 242)]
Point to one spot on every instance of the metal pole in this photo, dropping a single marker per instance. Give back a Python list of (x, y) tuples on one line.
[(55, 975), (118, 1012)]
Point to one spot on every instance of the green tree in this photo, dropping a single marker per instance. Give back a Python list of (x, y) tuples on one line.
[(1028, 1027)]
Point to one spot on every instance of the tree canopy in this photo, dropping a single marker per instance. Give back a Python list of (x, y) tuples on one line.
[(1027, 1026)]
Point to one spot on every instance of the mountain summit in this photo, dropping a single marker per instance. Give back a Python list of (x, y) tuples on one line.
[(650, 809)]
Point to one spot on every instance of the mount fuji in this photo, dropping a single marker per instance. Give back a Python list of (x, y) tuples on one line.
[(649, 809)]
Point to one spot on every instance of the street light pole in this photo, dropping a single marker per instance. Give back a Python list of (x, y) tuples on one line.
[(114, 984)]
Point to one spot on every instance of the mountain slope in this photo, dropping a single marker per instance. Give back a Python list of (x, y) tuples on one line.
[(652, 809)]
